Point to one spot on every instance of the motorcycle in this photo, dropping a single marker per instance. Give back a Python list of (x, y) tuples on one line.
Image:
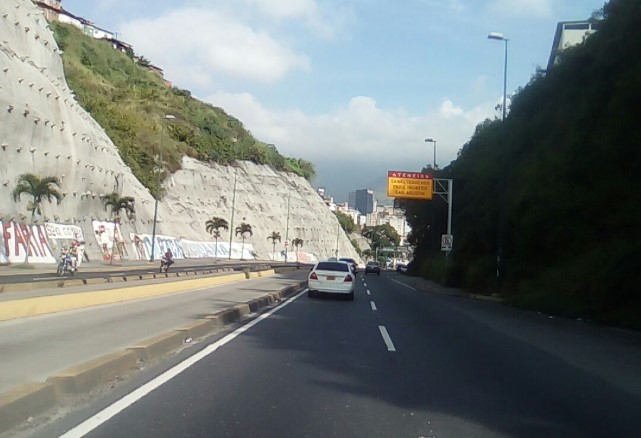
[(66, 266), (165, 264)]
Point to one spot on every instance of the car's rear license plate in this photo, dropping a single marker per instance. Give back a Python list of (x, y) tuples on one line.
[(331, 277)]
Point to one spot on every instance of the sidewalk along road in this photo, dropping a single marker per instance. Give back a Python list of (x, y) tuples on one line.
[(72, 351)]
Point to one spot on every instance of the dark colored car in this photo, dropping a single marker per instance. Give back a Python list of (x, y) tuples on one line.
[(352, 262), (372, 268)]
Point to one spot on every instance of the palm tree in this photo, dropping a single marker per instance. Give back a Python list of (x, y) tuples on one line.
[(243, 229), (40, 189), (274, 236), (213, 226), (297, 242), (115, 203)]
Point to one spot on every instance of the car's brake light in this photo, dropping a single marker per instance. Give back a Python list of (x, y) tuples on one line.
[(314, 276), (348, 279)]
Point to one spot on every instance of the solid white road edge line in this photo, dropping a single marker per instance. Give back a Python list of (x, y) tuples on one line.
[(386, 338), (110, 411), (373, 305), (403, 284)]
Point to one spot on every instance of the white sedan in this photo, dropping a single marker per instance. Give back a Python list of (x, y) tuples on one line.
[(335, 277)]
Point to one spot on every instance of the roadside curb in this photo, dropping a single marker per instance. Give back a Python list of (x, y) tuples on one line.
[(74, 282), (28, 400)]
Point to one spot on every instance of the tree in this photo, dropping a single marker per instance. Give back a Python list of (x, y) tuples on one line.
[(346, 221), (115, 204), (274, 237), (297, 242), (40, 189), (367, 253), (242, 230), (213, 226)]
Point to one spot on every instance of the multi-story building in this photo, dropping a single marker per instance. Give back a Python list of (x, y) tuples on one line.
[(570, 33), (362, 200)]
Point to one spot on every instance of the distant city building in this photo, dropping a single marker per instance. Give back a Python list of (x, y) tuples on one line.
[(568, 34), (362, 200)]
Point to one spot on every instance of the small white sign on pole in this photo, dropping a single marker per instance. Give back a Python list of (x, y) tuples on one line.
[(446, 242)]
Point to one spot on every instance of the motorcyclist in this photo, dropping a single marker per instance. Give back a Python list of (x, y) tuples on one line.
[(167, 259), (65, 256), (73, 252)]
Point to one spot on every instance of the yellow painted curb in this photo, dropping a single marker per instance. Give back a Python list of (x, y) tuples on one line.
[(157, 346), (25, 401), (85, 376), (22, 287), (197, 329), (50, 304), (267, 273)]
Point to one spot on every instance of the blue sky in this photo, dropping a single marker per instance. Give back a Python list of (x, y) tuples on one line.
[(355, 86)]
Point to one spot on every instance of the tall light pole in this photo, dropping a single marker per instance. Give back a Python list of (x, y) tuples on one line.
[(158, 180), (289, 196), (500, 37), (431, 140), (233, 207), (499, 235)]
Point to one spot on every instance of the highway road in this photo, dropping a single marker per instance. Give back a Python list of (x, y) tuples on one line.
[(395, 362)]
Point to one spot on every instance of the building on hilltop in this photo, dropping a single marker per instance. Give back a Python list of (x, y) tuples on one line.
[(568, 34), (54, 11)]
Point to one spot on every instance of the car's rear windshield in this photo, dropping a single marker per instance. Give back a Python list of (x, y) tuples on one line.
[(332, 266)]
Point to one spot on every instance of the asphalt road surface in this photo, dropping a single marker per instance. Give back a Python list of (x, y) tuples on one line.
[(393, 363)]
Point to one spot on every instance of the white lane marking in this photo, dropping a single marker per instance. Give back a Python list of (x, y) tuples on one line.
[(48, 278), (368, 292), (373, 305), (386, 338), (364, 284), (403, 284), (110, 411)]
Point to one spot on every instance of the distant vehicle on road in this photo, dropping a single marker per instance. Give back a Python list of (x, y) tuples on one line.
[(352, 263), (402, 268), (333, 277), (373, 268)]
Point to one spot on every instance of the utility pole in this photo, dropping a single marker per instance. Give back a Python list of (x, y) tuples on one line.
[(233, 205)]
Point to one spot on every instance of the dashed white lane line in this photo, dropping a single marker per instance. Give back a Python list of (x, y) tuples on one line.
[(110, 411), (373, 306), (386, 338), (403, 284), (368, 292)]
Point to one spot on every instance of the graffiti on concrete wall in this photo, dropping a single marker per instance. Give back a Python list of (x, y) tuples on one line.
[(18, 238), (105, 235)]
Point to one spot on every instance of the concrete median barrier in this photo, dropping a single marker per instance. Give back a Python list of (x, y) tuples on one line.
[(157, 346), (25, 401), (23, 308), (90, 374)]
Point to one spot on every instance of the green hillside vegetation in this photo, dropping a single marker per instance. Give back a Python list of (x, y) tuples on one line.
[(130, 101), (561, 176)]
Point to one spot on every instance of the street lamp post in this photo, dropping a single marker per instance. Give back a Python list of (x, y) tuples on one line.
[(158, 179), (233, 206), (500, 37), (499, 235), (431, 140), (289, 196)]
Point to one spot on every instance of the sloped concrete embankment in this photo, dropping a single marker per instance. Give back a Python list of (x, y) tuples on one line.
[(32, 399)]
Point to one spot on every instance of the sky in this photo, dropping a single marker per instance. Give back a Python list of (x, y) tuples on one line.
[(354, 86)]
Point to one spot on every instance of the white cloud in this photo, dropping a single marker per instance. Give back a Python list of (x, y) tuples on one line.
[(197, 46), (522, 8), (359, 128)]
